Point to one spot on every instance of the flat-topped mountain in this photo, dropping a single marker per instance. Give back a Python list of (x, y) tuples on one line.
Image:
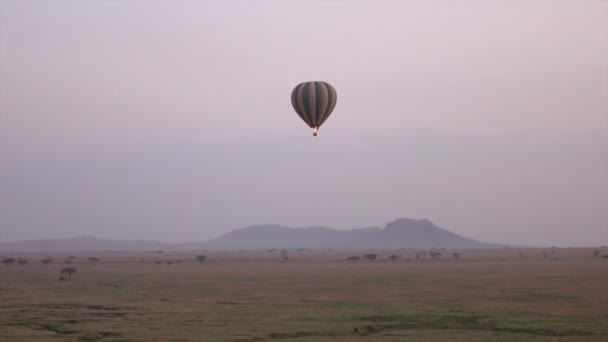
[(400, 233)]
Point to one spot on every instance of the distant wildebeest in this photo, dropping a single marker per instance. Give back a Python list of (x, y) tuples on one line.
[(394, 257), (353, 258), (370, 257), (456, 256), (201, 258), (69, 271)]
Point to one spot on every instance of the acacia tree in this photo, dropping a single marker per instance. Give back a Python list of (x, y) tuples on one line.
[(47, 260), (93, 260), (456, 256), (69, 271), (435, 255), (201, 258), (394, 257), (370, 257), (8, 261), (284, 255), (22, 261), (353, 258)]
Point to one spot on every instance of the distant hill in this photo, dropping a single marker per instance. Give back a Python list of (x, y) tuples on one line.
[(79, 244), (400, 233)]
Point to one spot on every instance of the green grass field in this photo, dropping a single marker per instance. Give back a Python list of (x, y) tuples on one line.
[(315, 296)]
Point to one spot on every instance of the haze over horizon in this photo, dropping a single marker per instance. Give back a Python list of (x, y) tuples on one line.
[(172, 121)]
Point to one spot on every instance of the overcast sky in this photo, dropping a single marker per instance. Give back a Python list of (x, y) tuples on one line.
[(172, 120)]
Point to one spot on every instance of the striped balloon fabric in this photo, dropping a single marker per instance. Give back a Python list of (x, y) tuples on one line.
[(314, 102)]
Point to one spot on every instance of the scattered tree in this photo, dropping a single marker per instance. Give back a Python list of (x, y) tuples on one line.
[(72, 257), (370, 257), (169, 262), (596, 253), (284, 255), (421, 256), (178, 261), (435, 255), (456, 256), (93, 260), (353, 258), (47, 260), (8, 261), (22, 261), (201, 258), (69, 261), (158, 262), (69, 271), (394, 257)]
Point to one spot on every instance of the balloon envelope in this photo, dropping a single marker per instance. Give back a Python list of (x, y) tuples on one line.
[(314, 102)]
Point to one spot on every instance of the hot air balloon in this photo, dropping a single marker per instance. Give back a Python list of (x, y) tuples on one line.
[(314, 102)]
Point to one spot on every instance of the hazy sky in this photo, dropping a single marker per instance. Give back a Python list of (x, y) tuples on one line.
[(172, 120)]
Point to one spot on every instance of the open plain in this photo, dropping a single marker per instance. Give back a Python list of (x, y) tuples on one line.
[(499, 295)]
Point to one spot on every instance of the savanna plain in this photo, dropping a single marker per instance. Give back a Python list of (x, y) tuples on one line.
[(487, 295)]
